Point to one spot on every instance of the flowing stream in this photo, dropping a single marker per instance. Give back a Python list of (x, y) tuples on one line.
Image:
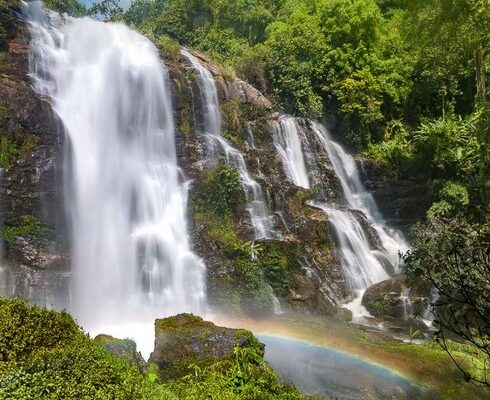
[(256, 206), (125, 195)]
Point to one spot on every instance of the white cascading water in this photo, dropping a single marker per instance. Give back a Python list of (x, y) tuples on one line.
[(288, 145), (363, 266), (256, 206), (406, 304), (125, 200)]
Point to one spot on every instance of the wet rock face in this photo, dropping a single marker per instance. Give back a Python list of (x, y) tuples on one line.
[(385, 298), (186, 339), (402, 201), (31, 178)]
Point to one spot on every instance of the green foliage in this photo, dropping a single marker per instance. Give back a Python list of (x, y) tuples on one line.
[(246, 376), (71, 7), (28, 226), (107, 10), (220, 190), (369, 63), (396, 152), (453, 197), (43, 354), (452, 254), (274, 263), (8, 151), (251, 286), (169, 47)]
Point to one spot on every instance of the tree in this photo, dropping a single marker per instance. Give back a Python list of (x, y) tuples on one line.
[(107, 10), (71, 7), (454, 256)]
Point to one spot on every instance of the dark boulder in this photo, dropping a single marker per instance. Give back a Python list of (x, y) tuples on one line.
[(396, 299)]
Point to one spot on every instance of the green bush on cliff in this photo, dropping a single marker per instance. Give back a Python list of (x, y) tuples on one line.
[(220, 190), (28, 226), (71, 7)]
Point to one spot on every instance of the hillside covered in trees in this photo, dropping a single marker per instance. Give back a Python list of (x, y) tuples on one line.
[(403, 85)]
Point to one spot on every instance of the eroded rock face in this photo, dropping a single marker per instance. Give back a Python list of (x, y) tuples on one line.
[(186, 339), (31, 178)]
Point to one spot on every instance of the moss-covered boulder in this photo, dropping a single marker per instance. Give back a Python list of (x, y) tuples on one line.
[(186, 340), (122, 348), (386, 299)]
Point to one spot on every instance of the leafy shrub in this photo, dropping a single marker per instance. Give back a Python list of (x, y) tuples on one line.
[(275, 267), (220, 190), (44, 354), (453, 197), (29, 226), (245, 377)]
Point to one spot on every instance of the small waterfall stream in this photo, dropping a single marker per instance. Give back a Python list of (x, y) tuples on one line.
[(288, 144), (367, 248), (256, 206), (126, 201)]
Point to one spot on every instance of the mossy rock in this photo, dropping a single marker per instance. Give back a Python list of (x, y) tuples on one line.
[(122, 348), (186, 341)]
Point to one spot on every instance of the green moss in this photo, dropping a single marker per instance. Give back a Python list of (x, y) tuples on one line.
[(28, 145), (184, 323), (232, 113), (28, 226), (44, 354), (185, 121), (452, 386), (8, 151), (380, 306), (274, 263), (297, 201)]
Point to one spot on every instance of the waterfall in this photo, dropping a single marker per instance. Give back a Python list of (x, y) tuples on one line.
[(126, 201), (357, 197), (367, 248), (256, 206), (406, 304), (363, 264), (288, 145)]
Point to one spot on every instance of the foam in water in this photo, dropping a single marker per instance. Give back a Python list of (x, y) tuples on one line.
[(256, 206), (288, 144), (125, 200)]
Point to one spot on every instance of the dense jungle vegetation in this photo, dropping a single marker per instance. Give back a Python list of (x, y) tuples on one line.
[(404, 82)]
